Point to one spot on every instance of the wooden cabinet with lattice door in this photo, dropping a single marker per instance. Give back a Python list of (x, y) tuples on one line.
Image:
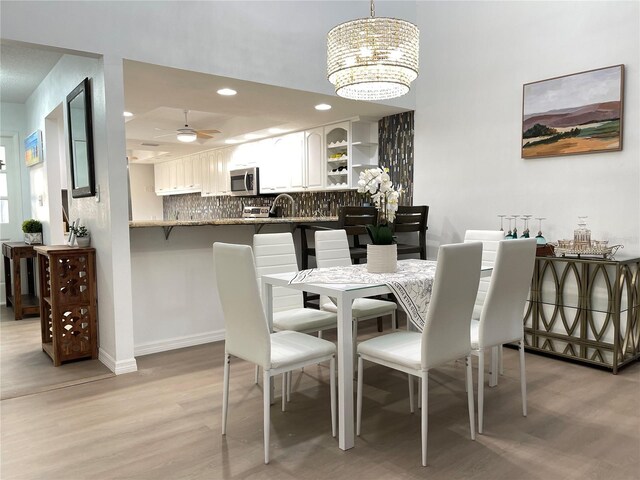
[(68, 302)]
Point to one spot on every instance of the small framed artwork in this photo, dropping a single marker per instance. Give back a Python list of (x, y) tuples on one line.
[(573, 114), (33, 149)]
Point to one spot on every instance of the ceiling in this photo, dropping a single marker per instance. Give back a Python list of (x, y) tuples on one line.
[(157, 96), (23, 69)]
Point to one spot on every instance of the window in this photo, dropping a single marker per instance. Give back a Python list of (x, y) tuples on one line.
[(4, 194)]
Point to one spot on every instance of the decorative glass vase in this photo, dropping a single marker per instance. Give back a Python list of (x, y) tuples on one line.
[(382, 258)]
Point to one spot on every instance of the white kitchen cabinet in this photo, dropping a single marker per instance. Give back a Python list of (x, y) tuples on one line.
[(223, 158), (182, 175), (189, 173), (336, 156), (282, 167), (209, 167), (215, 172), (363, 149), (314, 164), (351, 147), (161, 178)]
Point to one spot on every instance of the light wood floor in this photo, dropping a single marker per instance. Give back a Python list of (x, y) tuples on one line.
[(163, 422), (25, 369)]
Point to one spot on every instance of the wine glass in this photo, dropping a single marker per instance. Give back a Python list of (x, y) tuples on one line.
[(525, 233), (540, 240), (515, 226), (501, 222), (509, 233)]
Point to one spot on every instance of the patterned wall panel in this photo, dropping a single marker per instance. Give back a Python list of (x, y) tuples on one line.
[(395, 140)]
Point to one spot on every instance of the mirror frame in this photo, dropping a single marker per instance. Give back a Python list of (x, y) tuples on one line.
[(79, 191)]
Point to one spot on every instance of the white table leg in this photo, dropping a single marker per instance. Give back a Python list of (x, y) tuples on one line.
[(345, 372)]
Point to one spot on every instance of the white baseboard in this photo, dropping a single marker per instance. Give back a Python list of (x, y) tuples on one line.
[(120, 367), (178, 342)]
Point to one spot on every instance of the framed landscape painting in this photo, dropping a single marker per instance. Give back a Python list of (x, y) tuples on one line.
[(33, 149), (573, 114)]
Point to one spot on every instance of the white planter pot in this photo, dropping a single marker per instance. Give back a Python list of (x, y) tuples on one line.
[(382, 258), (33, 238), (83, 241)]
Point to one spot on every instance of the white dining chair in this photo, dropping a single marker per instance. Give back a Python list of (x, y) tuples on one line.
[(276, 253), (332, 250), (444, 337), (490, 240), (501, 317), (247, 335)]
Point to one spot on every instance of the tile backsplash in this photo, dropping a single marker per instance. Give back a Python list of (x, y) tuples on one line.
[(308, 204)]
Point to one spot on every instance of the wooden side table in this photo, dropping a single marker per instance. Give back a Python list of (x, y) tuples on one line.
[(68, 305), (23, 304)]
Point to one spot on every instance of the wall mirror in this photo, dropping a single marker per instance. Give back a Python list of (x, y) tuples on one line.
[(81, 141)]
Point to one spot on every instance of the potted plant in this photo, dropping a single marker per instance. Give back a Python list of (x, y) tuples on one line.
[(382, 255), (83, 238), (32, 232)]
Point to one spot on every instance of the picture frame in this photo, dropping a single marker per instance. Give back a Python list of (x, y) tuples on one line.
[(80, 131), (33, 153), (573, 114)]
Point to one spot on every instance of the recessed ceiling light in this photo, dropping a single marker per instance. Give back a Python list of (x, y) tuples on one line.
[(227, 92), (231, 141), (323, 106), (127, 114)]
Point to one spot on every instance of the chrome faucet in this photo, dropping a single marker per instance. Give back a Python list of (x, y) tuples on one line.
[(286, 195)]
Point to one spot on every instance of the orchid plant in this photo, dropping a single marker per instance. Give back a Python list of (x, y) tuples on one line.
[(377, 183)]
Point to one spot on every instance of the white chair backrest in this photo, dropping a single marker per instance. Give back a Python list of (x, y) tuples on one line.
[(446, 333), (332, 248), (501, 320), (275, 253), (489, 239), (246, 331)]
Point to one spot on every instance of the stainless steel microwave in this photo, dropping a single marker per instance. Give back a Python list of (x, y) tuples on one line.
[(244, 181)]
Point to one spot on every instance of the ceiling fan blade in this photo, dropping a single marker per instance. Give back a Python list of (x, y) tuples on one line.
[(208, 132), (163, 129), (165, 135), (203, 136)]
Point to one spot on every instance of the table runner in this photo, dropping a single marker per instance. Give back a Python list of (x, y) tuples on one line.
[(411, 283)]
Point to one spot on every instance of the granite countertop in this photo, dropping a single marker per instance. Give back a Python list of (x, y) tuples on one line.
[(230, 221)]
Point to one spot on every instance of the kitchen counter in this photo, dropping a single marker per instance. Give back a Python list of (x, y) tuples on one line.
[(257, 223), (230, 221)]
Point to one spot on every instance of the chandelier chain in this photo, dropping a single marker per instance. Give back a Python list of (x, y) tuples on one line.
[(373, 10)]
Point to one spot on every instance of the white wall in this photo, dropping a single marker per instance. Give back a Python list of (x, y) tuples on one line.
[(475, 58), (176, 303), (145, 204)]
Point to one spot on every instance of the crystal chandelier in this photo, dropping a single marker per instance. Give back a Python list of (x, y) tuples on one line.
[(373, 58)]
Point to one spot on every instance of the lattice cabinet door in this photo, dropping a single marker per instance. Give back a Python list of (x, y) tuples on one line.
[(68, 305)]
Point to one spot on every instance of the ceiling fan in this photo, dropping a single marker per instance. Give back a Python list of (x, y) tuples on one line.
[(189, 134)]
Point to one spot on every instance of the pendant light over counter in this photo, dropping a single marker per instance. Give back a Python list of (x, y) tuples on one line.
[(373, 58)]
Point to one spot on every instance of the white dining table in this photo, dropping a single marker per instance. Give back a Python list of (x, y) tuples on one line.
[(344, 294)]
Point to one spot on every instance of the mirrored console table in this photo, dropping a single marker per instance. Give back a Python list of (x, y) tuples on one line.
[(585, 309)]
